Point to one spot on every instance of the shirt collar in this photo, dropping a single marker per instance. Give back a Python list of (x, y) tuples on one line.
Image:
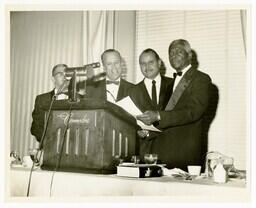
[(185, 69), (56, 90), (157, 79), (119, 79)]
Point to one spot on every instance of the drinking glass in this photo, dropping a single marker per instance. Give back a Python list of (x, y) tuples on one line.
[(228, 163), (150, 158)]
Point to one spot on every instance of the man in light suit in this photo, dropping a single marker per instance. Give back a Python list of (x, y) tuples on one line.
[(113, 88), (180, 143), (152, 93)]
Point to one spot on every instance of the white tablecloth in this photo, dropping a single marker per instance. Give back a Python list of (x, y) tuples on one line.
[(66, 184)]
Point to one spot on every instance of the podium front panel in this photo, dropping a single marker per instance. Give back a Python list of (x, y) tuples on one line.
[(94, 141)]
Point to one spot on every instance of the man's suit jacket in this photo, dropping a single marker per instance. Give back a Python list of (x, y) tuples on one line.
[(38, 114), (97, 90), (142, 100), (180, 144)]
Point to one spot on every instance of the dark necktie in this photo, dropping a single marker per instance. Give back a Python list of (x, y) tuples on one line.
[(177, 74), (154, 93), (112, 82)]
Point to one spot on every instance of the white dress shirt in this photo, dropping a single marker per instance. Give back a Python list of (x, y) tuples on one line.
[(178, 78), (148, 84), (60, 96), (112, 91)]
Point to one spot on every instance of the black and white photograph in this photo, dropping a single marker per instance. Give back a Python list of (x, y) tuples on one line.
[(133, 103)]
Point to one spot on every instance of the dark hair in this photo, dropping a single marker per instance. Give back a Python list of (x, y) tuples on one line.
[(182, 42), (162, 68), (58, 65), (109, 51), (150, 50)]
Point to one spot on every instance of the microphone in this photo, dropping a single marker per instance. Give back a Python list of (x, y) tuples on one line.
[(89, 71)]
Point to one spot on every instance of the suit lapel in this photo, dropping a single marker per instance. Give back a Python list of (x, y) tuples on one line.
[(181, 87), (104, 89), (162, 93), (51, 93), (147, 98), (121, 90)]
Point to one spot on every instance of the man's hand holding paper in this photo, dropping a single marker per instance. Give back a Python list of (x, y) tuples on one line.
[(128, 105), (149, 117)]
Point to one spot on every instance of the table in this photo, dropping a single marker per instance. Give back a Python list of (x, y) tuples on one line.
[(68, 185)]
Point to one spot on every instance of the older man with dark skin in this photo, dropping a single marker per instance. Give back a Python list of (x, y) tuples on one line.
[(180, 143)]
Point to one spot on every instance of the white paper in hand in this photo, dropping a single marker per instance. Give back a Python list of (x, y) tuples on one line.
[(147, 127), (128, 105)]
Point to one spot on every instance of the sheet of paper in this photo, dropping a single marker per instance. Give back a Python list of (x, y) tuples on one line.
[(128, 105), (147, 127)]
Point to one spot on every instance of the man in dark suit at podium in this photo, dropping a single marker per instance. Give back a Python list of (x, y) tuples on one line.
[(113, 88), (180, 143), (44, 99), (152, 93)]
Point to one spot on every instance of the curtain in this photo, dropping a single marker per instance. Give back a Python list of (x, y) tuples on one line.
[(243, 23), (39, 41), (98, 34)]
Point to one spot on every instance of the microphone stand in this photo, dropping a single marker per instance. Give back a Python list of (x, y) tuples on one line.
[(42, 138), (40, 144), (62, 146), (73, 91), (73, 99)]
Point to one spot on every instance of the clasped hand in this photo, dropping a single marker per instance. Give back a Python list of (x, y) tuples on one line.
[(148, 117)]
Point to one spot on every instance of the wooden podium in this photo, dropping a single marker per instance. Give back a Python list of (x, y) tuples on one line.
[(98, 134)]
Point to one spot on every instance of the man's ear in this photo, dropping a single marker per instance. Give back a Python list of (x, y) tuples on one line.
[(190, 56), (122, 61), (104, 68), (159, 63)]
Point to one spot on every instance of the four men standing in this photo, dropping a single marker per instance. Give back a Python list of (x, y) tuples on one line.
[(176, 106)]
